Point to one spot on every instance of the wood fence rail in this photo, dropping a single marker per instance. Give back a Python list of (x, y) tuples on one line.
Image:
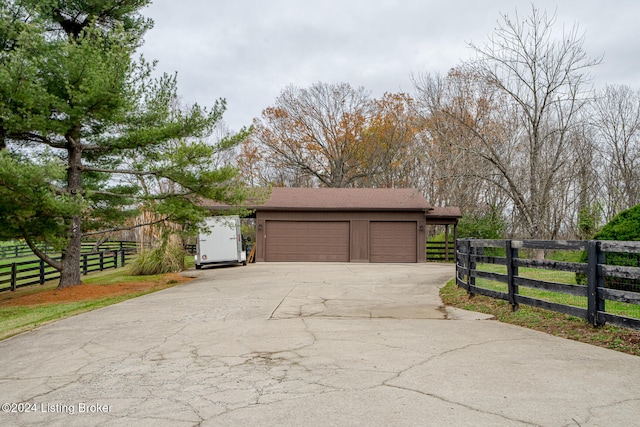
[(19, 274), (470, 252), (110, 254), (23, 250), (441, 251)]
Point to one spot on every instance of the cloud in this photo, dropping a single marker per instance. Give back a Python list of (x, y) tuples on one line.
[(247, 51)]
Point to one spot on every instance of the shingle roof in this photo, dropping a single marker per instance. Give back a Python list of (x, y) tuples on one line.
[(345, 199), (446, 212)]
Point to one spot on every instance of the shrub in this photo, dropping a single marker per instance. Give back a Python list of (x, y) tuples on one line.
[(623, 227), (166, 258), (482, 225), (487, 224)]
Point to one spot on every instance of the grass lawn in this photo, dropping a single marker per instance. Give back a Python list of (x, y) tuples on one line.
[(562, 325), (33, 306), (5, 264), (613, 307)]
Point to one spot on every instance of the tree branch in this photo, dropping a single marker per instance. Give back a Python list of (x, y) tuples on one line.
[(94, 147), (109, 193), (122, 171), (29, 136), (93, 233), (43, 256)]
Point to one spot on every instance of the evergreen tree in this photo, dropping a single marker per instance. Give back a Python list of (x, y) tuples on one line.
[(87, 136)]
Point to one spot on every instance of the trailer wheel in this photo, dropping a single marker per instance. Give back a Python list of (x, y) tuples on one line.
[(198, 266)]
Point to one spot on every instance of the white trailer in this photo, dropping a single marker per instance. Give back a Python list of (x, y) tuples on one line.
[(222, 244)]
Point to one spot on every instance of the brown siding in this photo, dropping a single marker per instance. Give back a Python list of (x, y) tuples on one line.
[(393, 241), (307, 241), (359, 240)]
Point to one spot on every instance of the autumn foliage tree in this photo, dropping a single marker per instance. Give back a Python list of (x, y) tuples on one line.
[(390, 137), (316, 132), (332, 135)]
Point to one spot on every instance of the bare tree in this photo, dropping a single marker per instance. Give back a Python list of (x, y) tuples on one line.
[(458, 109), (617, 126), (522, 95)]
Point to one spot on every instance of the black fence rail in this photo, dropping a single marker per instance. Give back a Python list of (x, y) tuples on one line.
[(190, 248), (441, 251), (26, 273), (595, 301), (23, 250)]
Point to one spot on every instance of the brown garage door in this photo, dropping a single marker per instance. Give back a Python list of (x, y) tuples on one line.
[(393, 241), (307, 241)]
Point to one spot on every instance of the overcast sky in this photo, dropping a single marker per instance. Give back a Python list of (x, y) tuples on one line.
[(247, 51)]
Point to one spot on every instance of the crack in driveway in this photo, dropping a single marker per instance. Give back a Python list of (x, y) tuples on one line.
[(310, 345)]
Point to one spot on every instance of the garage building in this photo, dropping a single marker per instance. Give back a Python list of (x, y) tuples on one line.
[(346, 225)]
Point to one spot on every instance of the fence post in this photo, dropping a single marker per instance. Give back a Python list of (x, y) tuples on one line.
[(512, 273), (41, 272), (594, 282), (101, 261), (446, 243), (14, 275), (471, 265), (84, 264), (115, 258), (122, 257), (459, 261)]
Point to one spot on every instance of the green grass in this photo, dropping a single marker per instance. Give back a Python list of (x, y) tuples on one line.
[(15, 320), (562, 325), (5, 264), (118, 275), (620, 339), (613, 307), (18, 319)]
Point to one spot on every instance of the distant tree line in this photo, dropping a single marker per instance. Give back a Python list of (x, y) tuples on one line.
[(518, 130)]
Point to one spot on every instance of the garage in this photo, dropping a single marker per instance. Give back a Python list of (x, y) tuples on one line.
[(307, 241), (362, 225), (393, 241)]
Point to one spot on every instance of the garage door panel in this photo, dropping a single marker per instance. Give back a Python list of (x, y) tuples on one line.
[(307, 241), (393, 241)]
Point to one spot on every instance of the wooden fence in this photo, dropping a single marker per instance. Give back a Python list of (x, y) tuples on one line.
[(14, 275), (23, 250), (471, 252), (441, 251), (25, 273)]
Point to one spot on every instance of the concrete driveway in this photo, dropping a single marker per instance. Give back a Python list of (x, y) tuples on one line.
[(308, 345)]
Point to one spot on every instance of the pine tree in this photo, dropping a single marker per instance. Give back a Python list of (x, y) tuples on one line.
[(87, 136)]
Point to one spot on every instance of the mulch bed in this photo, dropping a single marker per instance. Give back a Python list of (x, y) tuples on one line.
[(86, 292)]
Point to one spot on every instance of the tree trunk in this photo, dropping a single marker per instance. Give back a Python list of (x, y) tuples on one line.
[(70, 272)]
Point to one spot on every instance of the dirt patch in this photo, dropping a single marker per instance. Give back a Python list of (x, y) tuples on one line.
[(90, 291)]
